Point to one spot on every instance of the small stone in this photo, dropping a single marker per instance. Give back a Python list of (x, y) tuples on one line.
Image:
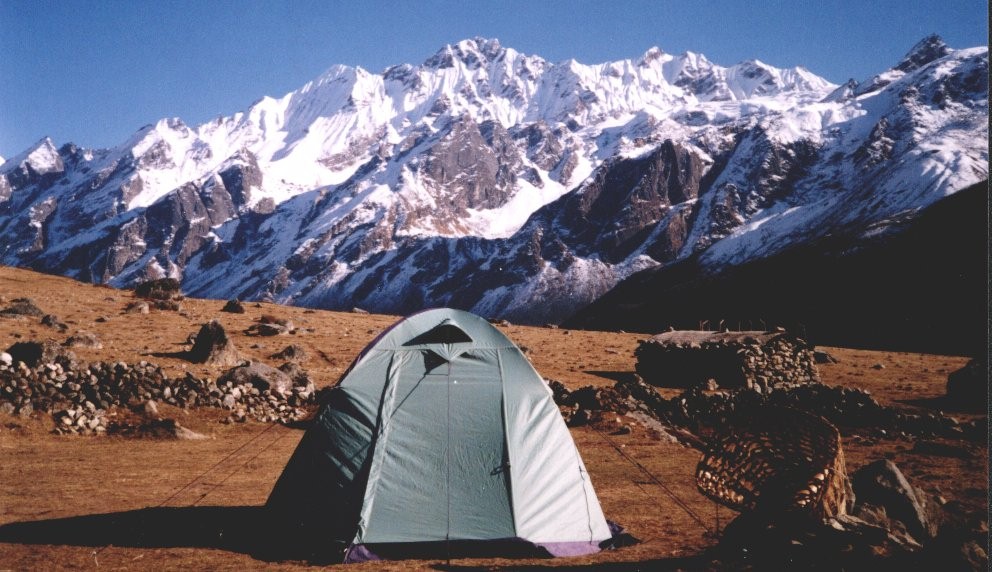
[(150, 408)]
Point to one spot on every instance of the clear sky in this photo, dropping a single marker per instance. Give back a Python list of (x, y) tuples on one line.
[(94, 71)]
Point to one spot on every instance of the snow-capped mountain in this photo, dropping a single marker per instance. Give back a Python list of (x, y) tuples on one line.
[(499, 182)]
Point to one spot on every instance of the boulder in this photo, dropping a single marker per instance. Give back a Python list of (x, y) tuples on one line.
[(137, 307), (301, 379), (82, 339), (234, 306), (821, 356), (168, 305), (266, 330), (882, 484), (22, 307), (967, 388), (292, 353), (36, 353), (6, 359), (212, 346), (52, 321), (150, 409), (260, 376)]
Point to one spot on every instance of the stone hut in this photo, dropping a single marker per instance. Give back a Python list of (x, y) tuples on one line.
[(757, 360)]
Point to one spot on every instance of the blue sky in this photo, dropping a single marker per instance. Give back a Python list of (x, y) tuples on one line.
[(94, 71)]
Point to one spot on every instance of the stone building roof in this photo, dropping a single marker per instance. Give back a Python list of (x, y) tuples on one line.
[(700, 337)]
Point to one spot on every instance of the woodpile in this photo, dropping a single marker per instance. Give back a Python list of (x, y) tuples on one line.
[(756, 360)]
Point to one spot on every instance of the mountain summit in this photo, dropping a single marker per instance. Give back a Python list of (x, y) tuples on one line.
[(499, 182)]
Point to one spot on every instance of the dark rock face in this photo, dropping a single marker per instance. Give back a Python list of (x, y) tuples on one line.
[(241, 177), (764, 172), (928, 49), (625, 198), (473, 166)]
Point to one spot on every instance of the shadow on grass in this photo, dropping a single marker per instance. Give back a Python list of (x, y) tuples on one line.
[(700, 562), (249, 530), (243, 529), (943, 403), (627, 376), (184, 355)]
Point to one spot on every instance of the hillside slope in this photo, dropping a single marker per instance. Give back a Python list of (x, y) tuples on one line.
[(915, 283)]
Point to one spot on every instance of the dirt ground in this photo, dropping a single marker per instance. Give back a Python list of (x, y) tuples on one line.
[(143, 504)]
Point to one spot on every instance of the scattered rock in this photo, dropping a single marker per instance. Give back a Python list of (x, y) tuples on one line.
[(137, 307), (82, 339), (52, 321), (291, 352), (878, 366), (168, 305), (213, 347), (357, 310), (234, 306), (265, 329), (150, 409)]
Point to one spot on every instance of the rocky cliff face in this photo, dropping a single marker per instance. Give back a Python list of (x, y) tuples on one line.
[(501, 183)]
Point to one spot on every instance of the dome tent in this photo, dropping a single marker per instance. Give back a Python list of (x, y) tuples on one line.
[(441, 438)]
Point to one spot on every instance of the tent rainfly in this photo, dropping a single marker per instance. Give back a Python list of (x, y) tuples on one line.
[(441, 438)]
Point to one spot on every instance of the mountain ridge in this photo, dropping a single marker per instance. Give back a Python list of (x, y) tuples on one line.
[(499, 182)]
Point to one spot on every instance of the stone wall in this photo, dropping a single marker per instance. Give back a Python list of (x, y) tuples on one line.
[(86, 398), (757, 360)]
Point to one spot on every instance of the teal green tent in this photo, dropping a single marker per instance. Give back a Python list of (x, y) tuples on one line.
[(441, 436)]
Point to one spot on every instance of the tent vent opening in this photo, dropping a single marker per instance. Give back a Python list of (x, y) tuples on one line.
[(444, 333)]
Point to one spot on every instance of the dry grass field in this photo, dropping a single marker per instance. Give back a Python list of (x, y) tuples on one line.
[(113, 503)]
